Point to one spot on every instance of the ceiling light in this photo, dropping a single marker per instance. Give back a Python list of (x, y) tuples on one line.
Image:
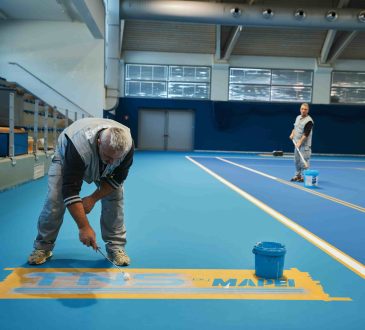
[(331, 16), (236, 12), (361, 16), (300, 14), (268, 13)]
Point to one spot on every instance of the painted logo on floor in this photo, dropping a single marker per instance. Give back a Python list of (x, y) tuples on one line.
[(96, 283)]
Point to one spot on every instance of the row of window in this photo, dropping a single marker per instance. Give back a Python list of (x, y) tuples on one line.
[(193, 82), (163, 81), (348, 87), (270, 85)]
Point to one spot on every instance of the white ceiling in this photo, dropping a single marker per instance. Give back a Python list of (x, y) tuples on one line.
[(50, 10)]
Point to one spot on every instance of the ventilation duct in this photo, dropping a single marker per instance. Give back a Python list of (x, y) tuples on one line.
[(243, 14), (112, 54)]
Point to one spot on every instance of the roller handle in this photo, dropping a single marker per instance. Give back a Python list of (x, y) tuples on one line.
[(300, 154)]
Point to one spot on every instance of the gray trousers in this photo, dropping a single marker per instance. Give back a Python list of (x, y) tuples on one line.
[(299, 165), (50, 220)]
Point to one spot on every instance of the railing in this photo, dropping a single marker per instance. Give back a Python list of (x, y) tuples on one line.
[(50, 87), (52, 123)]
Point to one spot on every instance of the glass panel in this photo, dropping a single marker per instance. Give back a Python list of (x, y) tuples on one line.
[(348, 95), (188, 90), (189, 73), (250, 76), (176, 73), (132, 88), (159, 89), (133, 72), (151, 81), (146, 89), (203, 74), (291, 77), (348, 79), (146, 72), (202, 91), (179, 90), (291, 94), (249, 92), (159, 72)]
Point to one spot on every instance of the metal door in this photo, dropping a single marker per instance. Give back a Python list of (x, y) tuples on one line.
[(180, 130), (165, 130)]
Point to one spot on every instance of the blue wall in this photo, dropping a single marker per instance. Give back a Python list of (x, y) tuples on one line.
[(256, 126)]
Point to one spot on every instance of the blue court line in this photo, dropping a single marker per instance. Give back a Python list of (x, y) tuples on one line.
[(341, 227)]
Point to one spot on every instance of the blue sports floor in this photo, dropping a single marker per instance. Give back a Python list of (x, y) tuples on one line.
[(192, 221)]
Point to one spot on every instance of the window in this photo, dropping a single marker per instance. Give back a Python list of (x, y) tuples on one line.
[(270, 85), (163, 81), (250, 76), (348, 87)]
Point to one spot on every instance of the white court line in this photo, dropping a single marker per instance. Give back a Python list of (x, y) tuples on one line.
[(310, 191), (342, 257), (286, 158)]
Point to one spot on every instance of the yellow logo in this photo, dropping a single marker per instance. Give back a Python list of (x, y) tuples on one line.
[(96, 283)]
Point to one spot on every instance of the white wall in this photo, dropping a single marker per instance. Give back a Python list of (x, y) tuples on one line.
[(220, 71), (62, 54)]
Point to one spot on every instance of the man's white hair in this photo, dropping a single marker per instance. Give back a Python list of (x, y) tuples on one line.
[(119, 139)]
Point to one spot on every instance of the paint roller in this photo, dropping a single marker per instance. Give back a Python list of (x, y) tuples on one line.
[(300, 154)]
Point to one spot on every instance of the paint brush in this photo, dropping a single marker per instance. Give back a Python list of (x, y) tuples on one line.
[(126, 276)]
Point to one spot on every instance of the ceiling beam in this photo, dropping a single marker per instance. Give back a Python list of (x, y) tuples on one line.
[(328, 42), (69, 10), (122, 24), (330, 37), (231, 42), (218, 30), (340, 45), (93, 14)]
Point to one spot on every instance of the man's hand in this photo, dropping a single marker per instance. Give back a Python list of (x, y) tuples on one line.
[(87, 237), (88, 202)]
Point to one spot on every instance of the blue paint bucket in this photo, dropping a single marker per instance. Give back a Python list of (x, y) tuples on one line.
[(269, 259), (311, 178)]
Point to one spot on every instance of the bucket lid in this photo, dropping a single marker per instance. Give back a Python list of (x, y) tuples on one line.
[(311, 172), (269, 248)]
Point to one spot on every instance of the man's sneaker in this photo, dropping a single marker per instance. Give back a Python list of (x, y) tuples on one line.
[(39, 257), (119, 257), (297, 178)]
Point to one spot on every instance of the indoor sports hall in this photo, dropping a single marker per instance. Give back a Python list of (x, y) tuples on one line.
[(238, 213)]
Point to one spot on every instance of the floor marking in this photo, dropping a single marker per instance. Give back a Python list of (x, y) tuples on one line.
[(97, 283), (315, 160), (311, 191), (340, 256)]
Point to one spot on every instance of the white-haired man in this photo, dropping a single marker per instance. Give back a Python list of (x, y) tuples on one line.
[(302, 137), (92, 150)]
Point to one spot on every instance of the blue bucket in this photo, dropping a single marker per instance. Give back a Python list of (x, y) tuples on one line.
[(269, 259), (311, 178)]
